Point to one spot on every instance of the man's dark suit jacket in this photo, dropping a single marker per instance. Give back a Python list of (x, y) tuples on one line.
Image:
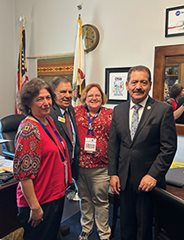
[(62, 128), (152, 149)]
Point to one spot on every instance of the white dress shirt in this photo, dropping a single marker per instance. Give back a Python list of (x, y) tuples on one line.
[(140, 112)]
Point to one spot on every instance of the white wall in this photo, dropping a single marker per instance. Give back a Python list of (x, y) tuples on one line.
[(7, 56), (129, 32)]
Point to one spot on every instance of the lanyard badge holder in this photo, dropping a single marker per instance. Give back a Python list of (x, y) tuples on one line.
[(66, 171), (90, 142), (61, 154)]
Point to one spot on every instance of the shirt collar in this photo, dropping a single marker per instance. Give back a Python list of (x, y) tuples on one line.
[(143, 103), (62, 110)]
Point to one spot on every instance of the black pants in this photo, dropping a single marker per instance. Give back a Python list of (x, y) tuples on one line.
[(49, 227), (136, 214)]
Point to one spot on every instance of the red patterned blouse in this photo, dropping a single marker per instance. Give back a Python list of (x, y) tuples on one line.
[(101, 128), (37, 157)]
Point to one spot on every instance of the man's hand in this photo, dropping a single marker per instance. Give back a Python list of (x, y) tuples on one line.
[(115, 184), (147, 183)]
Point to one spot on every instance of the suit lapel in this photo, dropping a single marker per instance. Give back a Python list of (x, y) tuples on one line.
[(125, 122), (71, 113), (60, 123), (145, 116)]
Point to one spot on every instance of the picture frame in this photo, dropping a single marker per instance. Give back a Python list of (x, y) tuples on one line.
[(174, 25), (115, 84)]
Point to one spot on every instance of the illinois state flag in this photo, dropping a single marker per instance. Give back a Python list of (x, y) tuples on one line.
[(22, 77), (78, 70)]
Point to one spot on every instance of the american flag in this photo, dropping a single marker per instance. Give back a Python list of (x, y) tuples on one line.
[(78, 71), (22, 77)]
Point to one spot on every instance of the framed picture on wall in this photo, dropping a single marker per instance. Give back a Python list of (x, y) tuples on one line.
[(115, 84), (174, 25)]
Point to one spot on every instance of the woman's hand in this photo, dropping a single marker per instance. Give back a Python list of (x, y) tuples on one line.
[(36, 216), (36, 212)]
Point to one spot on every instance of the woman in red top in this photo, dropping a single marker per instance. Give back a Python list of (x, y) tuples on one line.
[(175, 92), (93, 122), (41, 165)]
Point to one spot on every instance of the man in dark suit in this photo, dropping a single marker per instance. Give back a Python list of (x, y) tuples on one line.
[(139, 156), (61, 111), (62, 89)]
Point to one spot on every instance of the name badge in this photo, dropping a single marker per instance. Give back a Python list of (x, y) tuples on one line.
[(90, 145), (61, 119)]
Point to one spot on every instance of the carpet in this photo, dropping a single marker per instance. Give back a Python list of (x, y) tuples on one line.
[(71, 217), (75, 228)]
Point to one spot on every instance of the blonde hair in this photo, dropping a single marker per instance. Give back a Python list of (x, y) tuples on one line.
[(89, 87)]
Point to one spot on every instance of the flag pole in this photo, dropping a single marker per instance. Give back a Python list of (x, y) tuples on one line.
[(78, 80), (22, 77)]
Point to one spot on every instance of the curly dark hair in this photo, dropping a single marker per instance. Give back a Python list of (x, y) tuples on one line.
[(31, 90)]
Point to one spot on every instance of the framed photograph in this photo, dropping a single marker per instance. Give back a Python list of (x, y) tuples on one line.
[(115, 84), (174, 21)]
